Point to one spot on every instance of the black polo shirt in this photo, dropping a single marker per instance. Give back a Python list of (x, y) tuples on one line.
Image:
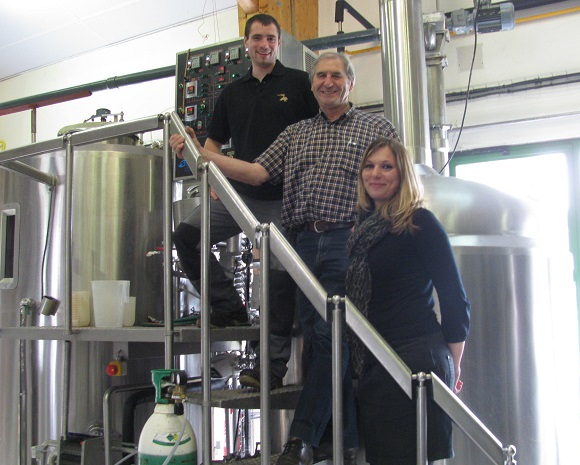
[(254, 113)]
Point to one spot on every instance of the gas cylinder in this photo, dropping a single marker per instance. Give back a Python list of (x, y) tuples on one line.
[(167, 437)]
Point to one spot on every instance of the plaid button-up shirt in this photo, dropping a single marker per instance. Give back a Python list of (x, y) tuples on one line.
[(318, 161)]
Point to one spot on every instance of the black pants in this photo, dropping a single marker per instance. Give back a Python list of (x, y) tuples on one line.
[(388, 416), (223, 296)]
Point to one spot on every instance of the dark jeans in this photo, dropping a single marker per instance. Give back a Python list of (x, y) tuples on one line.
[(325, 255), (223, 296)]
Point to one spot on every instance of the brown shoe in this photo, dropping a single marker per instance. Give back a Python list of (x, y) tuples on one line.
[(296, 452), (250, 377)]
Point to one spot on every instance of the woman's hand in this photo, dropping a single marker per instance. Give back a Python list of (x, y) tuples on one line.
[(458, 383), (456, 349)]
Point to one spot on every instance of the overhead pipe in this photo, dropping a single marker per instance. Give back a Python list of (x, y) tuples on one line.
[(404, 74), (512, 87), (85, 90), (342, 40)]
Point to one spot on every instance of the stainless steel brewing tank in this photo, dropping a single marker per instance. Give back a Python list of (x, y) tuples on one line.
[(520, 367), (116, 220)]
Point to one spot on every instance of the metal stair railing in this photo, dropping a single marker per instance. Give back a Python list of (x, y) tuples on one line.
[(333, 309)]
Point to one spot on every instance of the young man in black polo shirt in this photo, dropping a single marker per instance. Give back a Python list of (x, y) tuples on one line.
[(252, 111)]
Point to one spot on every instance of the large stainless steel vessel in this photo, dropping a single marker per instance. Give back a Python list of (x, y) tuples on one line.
[(520, 366), (116, 220)]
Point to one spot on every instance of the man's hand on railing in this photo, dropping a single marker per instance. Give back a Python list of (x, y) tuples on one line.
[(177, 142)]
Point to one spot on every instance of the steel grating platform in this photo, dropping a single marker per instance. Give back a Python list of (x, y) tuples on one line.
[(285, 397), (247, 461)]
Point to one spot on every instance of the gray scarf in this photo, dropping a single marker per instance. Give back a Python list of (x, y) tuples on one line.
[(369, 230)]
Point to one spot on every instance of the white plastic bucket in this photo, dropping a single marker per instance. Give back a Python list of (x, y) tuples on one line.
[(109, 299)]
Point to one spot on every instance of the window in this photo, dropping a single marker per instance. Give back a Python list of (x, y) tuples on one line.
[(546, 174), (9, 220)]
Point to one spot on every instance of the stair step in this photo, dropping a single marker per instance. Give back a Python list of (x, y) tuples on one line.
[(285, 397), (247, 461)]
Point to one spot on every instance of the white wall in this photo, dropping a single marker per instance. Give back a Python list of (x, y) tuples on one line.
[(538, 48), (136, 101)]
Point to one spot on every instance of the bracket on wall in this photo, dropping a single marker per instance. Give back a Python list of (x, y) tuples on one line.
[(340, 7)]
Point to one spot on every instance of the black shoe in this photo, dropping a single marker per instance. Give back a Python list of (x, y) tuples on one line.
[(221, 319), (296, 452), (349, 456), (325, 452), (250, 377)]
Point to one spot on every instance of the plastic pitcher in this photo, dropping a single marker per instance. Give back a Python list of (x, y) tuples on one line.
[(109, 299)]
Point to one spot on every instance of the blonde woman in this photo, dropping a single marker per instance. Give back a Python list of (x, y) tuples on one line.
[(399, 253)]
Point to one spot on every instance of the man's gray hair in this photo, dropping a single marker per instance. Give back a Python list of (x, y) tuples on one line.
[(348, 66)]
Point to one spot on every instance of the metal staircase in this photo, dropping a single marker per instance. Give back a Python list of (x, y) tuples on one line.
[(337, 309)]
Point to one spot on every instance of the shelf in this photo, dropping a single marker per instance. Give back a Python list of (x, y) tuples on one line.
[(283, 398), (129, 334)]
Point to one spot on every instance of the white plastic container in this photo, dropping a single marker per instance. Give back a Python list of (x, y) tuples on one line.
[(129, 312), (109, 299), (81, 308)]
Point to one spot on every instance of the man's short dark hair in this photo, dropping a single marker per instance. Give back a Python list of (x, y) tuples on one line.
[(266, 20)]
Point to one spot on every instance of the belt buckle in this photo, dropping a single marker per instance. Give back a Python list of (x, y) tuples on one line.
[(316, 228)]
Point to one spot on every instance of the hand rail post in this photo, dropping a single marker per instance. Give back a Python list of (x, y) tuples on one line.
[(421, 379), (205, 315), (336, 317), (265, 433), (167, 247), (509, 453)]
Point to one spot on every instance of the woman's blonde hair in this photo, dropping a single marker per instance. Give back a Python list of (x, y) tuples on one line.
[(400, 208)]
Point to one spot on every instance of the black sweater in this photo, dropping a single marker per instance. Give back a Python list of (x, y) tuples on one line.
[(404, 270)]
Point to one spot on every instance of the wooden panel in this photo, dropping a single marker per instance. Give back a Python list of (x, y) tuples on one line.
[(306, 19), (297, 17)]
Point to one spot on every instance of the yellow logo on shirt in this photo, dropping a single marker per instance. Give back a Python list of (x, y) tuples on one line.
[(283, 97)]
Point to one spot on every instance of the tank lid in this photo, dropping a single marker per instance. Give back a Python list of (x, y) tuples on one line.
[(71, 129), (98, 120)]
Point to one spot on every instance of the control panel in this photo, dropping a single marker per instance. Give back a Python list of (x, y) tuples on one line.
[(201, 75)]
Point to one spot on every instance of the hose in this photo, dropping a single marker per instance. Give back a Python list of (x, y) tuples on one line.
[(126, 458), (176, 445)]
